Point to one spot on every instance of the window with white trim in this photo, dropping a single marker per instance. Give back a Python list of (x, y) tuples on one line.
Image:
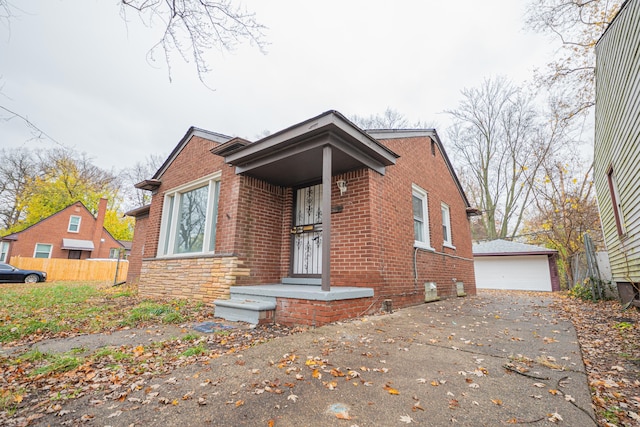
[(74, 224), (420, 217), (446, 225), (618, 213), (42, 250), (189, 218), (4, 250)]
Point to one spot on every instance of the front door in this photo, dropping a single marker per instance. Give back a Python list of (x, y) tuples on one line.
[(307, 232)]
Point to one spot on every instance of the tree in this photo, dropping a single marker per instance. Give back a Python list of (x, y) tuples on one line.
[(498, 149), (193, 27), (44, 183), (566, 209), (390, 119), (119, 226), (134, 197), (578, 24), (17, 169), (64, 179), (189, 27)]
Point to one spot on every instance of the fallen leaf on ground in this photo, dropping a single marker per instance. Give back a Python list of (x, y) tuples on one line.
[(406, 419), (390, 389)]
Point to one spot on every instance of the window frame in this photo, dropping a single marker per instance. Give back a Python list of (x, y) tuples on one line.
[(447, 233), (618, 212), (4, 251), (171, 213), (421, 194), (35, 250), (71, 218)]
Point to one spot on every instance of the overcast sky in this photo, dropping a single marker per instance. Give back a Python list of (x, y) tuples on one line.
[(81, 73)]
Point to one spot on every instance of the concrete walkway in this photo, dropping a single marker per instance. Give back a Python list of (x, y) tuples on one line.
[(495, 359)]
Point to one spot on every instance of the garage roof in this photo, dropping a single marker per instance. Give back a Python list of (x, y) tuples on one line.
[(501, 247)]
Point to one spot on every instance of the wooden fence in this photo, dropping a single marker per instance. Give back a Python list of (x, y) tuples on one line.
[(74, 269)]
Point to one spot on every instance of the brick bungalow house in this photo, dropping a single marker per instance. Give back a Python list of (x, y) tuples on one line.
[(71, 233), (319, 222)]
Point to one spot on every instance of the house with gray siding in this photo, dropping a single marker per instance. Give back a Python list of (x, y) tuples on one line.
[(617, 147)]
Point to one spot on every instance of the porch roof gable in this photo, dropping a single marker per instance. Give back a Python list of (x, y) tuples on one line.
[(294, 155)]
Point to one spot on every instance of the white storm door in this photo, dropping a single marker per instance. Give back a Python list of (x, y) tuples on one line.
[(307, 232)]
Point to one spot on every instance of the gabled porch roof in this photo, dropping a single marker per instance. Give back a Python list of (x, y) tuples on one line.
[(294, 156)]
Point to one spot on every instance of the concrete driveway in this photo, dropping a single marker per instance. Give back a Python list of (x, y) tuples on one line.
[(495, 359)]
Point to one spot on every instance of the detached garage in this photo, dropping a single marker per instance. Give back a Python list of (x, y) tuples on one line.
[(500, 264)]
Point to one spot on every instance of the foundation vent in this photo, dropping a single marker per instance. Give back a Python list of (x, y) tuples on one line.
[(430, 292)]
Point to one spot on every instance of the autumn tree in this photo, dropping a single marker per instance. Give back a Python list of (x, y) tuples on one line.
[(565, 209), (578, 25), (497, 149), (49, 181)]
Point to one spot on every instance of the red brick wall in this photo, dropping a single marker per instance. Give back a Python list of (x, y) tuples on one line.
[(54, 228), (137, 249), (391, 199), (355, 260), (291, 311), (373, 238), (260, 226)]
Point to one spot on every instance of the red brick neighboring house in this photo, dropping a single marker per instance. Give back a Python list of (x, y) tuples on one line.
[(251, 226), (72, 233)]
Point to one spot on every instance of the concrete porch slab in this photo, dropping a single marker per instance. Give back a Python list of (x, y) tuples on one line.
[(307, 292)]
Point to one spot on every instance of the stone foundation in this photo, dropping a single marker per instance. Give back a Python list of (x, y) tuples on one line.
[(199, 278)]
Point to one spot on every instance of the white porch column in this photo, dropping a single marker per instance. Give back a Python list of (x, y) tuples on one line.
[(326, 218)]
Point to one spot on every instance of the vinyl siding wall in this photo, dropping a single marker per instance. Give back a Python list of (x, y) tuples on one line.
[(617, 138)]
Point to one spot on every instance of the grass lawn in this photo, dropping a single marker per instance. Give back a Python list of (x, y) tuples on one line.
[(44, 310)]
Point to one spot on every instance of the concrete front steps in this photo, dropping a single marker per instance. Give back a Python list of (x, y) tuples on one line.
[(257, 304)]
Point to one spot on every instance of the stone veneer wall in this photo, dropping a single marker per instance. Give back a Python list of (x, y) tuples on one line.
[(200, 278)]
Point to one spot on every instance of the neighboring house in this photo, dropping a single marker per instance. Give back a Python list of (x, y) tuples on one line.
[(72, 233), (318, 222), (500, 264), (126, 250), (617, 147)]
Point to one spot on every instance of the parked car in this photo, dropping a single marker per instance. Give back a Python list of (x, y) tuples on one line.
[(11, 274)]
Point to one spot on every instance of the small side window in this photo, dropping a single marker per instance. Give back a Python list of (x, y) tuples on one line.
[(4, 249), (446, 225), (42, 250), (420, 218), (74, 224)]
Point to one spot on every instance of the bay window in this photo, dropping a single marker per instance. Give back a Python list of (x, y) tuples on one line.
[(189, 218)]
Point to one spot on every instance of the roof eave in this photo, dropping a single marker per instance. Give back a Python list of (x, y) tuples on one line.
[(329, 120), (149, 184)]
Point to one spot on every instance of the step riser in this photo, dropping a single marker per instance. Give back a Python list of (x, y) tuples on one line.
[(235, 314)]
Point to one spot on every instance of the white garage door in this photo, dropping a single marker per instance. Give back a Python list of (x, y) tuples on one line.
[(523, 273)]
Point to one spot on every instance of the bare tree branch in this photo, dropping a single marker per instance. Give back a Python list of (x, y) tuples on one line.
[(193, 27)]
